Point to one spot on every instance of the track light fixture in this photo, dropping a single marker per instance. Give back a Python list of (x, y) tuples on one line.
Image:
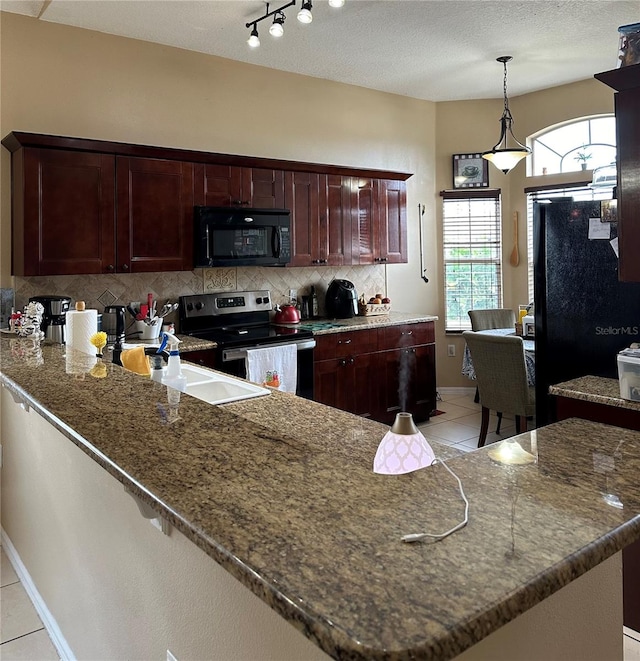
[(304, 15), (276, 29), (254, 39), (501, 155)]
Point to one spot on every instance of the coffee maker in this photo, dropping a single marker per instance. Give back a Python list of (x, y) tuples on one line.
[(113, 323), (53, 318)]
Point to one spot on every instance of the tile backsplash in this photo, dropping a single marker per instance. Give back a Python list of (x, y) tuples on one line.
[(119, 289)]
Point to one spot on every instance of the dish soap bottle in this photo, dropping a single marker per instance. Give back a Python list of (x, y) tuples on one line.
[(174, 378)]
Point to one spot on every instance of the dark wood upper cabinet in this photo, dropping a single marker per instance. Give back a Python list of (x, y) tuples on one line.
[(154, 215), (63, 212), (233, 186), (379, 222), (392, 221), (320, 218), (336, 202), (626, 82), (302, 198), (91, 206)]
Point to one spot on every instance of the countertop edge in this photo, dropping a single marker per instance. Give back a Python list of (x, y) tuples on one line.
[(306, 621)]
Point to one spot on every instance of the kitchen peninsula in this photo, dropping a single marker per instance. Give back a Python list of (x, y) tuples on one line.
[(279, 492)]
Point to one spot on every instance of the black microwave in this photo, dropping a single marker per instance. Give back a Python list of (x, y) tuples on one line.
[(227, 236)]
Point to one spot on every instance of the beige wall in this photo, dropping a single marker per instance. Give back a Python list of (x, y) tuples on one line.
[(88, 84)]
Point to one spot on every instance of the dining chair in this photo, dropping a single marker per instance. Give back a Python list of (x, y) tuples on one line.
[(501, 373), (492, 318), (486, 319)]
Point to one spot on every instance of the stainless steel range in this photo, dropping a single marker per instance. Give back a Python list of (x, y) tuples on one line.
[(238, 321)]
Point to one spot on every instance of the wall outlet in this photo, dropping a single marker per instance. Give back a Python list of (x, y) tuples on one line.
[(451, 350), (293, 296)]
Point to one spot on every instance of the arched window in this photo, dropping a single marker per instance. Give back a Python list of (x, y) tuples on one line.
[(583, 144)]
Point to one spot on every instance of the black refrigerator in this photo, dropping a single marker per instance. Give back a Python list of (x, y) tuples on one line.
[(583, 315)]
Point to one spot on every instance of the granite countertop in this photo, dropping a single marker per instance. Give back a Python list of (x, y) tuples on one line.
[(280, 491), (595, 389), (326, 326)]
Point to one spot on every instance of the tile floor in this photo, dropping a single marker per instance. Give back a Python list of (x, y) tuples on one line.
[(24, 638), (22, 634)]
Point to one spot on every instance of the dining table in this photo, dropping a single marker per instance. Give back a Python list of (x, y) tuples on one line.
[(529, 354)]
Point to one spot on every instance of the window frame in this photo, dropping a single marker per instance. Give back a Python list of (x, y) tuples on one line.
[(453, 238), (537, 142)]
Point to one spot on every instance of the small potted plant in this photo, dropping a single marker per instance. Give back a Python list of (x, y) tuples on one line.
[(582, 156)]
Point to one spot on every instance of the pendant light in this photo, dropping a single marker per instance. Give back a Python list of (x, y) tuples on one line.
[(503, 156)]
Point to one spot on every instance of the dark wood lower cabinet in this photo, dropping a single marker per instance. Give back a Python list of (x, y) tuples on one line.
[(348, 384), (406, 383), (372, 380)]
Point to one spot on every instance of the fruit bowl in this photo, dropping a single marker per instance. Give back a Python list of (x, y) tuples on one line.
[(373, 309)]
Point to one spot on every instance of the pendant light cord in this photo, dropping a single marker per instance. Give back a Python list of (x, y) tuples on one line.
[(504, 89), (416, 537)]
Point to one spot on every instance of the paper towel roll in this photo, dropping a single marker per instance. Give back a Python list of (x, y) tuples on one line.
[(81, 325)]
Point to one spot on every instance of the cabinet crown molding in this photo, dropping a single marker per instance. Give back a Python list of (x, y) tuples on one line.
[(18, 139)]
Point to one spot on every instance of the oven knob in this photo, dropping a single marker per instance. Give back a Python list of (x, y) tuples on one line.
[(265, 299), (189, 307), (258, 300), (199, 305)]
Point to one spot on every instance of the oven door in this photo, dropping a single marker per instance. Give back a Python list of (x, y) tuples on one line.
[(232, 361)]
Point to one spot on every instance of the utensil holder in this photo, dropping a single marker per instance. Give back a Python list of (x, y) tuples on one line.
[(148, 331)]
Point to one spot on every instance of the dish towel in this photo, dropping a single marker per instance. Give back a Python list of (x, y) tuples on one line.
[(274, 366)]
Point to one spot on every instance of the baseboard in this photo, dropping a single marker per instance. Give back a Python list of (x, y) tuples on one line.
[(459, 391), (47, 618)]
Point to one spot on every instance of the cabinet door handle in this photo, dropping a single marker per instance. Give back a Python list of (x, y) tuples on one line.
[(351, 361), (125, 267), (111, 268), (406, 333), (236, 201), (342, 363), (344, 341)]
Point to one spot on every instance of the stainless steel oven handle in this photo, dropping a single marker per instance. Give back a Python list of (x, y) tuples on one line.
[(241, 353)]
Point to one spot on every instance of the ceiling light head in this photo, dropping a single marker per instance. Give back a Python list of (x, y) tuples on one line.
[(277, 27), (304, 15), (336, 3), (254, 40), (503, 156)]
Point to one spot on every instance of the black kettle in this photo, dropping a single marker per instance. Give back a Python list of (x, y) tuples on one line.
[(342, 300), (113, 323)]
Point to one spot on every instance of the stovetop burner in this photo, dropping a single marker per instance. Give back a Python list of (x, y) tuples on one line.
[(234, 319)]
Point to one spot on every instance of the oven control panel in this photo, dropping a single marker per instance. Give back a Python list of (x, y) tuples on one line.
[(210, 305)]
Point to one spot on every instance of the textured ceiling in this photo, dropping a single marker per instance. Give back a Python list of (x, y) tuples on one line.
[(437, 50)]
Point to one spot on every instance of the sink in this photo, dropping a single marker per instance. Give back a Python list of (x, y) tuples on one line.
[(217, 388)]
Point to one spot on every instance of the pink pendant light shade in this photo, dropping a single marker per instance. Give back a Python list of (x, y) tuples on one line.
[(403, 449)]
